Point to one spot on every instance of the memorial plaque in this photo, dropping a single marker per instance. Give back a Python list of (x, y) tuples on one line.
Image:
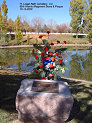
[(48, 87)]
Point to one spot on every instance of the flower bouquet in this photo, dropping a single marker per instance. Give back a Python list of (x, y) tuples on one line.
[(48, 63)]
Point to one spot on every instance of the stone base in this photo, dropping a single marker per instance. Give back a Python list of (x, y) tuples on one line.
[(41, 107)]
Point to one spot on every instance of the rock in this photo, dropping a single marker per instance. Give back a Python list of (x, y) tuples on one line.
[(47, 104)]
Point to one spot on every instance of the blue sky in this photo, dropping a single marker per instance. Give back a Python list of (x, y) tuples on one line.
[(59, 15)]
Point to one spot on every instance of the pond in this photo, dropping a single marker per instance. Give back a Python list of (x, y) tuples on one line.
[(78, 61)]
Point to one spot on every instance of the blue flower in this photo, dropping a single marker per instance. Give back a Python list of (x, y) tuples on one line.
[(48, 69)]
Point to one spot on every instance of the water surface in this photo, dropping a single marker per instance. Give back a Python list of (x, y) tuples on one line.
[(79, 62)]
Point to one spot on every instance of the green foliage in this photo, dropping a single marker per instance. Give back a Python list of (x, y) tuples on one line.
[(88, 18), (3, 24), (3, 38), (76, 12), (0, 20), (28, 39), (4, 17), (76, 70), (9, 37), (87, 64), (90, 21), (18, 34), (36, 41)]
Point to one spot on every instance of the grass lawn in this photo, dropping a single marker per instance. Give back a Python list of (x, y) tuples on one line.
[(70, 39), (10, 83), (52, 38)]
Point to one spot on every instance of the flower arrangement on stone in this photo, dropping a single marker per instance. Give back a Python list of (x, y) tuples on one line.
[(48, 63)]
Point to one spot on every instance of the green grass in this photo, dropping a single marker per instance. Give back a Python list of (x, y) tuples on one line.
[(82, 93), (70, 39), (53, 37)]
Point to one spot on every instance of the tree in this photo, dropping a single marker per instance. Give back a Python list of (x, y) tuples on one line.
[(45, 28), (28, 39), (62, 28), (18, 34), (0, 20), (37, 24), (51, 25), (76, 12), (90, 21), (26, 26), (10, 25), (3, 23), (85, 17), (4, 17)]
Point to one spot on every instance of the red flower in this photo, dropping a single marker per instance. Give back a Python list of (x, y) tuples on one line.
[(58, 41), (36, 78), (60, 56), (65, 69), (32, 50), (45, 49), (52, 58), (40, 36), (51, 75), (52, 44), (50, 53), (48, 32), (36, 71), (42, 54), (51, 65), (57, 54), (47, 58), (60, 61), (64, 42), (43, 58), (41, 66), (43, 78), (36, 57)]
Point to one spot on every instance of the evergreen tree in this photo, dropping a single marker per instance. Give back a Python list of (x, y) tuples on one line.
[(76, 12), (28, 39), (18, 34), (85, 17), (0, 20), (90, 21), (3, 23), (4, 17), (26, 26)]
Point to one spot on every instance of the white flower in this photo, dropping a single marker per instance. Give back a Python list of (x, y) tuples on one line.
[(63, 70), (54, 64), (66, 61), (39, 51), (43, 74), (37, 64), (47, 52), (55, 69)]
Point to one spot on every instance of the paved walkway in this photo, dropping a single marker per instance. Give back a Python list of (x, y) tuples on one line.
[(63, 45)]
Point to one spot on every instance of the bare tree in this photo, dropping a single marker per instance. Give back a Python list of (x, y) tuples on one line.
[(51, 25), (37, 23)]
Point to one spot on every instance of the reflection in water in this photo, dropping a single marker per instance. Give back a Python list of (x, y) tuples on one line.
[(87, 64), (14, 58), (76, 67), (79, 62), (81, 65)]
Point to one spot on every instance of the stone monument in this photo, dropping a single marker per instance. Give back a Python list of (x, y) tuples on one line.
[(43, 101)]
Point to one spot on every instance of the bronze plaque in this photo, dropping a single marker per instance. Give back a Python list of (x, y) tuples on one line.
[(49, 87)]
